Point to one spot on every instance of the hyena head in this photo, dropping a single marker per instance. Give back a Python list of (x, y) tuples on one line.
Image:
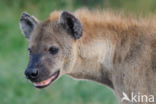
[(52, 46)]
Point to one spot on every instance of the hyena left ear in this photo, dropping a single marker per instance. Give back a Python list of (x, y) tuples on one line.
[(27, 24), (71, 24)]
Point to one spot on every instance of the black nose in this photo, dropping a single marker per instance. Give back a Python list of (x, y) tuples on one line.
[(31, 73)]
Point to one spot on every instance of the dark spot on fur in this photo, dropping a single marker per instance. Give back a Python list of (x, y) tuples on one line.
[(135, 49), (114, 58), (123, 76)]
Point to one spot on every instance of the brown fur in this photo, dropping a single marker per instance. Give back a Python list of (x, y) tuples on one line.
[(114, 50)]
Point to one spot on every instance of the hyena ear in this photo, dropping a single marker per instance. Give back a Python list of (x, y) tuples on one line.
[(27, 24), (71, 24)]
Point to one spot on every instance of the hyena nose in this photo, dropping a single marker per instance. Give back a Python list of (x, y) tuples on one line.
[(31, 74)]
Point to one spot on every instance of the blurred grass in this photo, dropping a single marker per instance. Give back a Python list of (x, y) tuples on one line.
[(14, 88)]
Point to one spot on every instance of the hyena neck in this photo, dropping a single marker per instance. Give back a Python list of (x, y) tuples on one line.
[(94, 61)]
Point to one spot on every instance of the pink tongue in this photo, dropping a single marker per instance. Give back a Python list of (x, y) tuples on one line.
[(45, 82)]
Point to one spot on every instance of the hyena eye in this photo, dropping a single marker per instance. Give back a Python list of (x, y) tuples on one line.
[(53, 50)]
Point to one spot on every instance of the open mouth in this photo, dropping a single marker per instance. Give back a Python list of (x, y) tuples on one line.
[(46, 82)]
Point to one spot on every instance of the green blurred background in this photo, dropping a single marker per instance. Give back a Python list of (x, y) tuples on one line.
[(14, 88)]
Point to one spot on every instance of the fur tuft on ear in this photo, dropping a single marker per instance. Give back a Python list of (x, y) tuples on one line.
[(27, 24), (71, 24)]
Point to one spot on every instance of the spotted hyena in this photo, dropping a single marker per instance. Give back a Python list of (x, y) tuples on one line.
[(114, 50)]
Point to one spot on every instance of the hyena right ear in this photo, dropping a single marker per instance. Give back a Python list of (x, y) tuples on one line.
[(27, 24)]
